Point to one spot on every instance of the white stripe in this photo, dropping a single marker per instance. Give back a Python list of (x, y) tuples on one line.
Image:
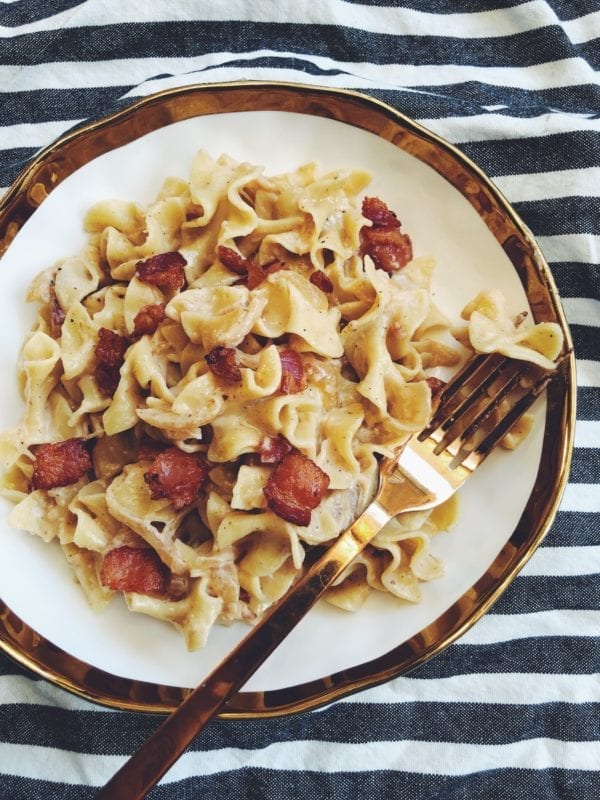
[(494, 628), (403, 755), (482, 127), (571, 247), (483, 24), (511, 688), (582, 29), (550, 185), (582, 310), (588, 372), (57, 75), (587, 433), (37, 134), (583, 497), (563, 562)]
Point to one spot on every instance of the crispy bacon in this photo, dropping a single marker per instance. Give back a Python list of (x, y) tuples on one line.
[(273, 449), (293, 379), (383, 241), (435, 384), (232, 260), (251, 273), (164, 270), (134, 569), (321, 281), (295, 487), (110, 354), (60, 464), (177, 476), (148, 318), (379, 214), (222, 362)]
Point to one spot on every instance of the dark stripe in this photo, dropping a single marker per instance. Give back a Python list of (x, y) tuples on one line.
[(441, 6), (583, 99), (27, 11), (13, 161), (574, 529), (490, 723), (47, 105), (585, 467), (586, 339), (189, 39), (261, 783), (548, 654), (527, 595), (543, 784), (575, 279), (561, 215), (588, 402), (535, 154)]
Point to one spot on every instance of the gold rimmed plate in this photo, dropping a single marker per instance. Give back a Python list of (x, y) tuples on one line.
[(453, 213)]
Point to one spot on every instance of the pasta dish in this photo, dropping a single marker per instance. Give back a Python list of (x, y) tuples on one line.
[(211, 382)]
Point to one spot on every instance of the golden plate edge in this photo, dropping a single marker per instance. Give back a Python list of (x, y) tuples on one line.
[(41, 176)]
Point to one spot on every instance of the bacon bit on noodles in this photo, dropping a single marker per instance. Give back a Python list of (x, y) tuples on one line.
[(164, 270), (60, 464), (110, 354), (383, 242), (293, 379), (222, 363), (134, 569), (295, 487), (273, 449), (251, 273), (177, 476), (321, 281), (148, 318)]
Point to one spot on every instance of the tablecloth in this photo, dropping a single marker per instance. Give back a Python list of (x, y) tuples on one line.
[(513, 708)]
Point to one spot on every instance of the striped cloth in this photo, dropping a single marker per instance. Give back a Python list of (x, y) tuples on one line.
[(513, 709)]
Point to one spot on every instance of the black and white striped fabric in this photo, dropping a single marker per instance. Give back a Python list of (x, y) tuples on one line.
[(513, 709)]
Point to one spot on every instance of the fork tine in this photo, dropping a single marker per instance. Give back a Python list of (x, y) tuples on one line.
[(478, 374), (509, 419)]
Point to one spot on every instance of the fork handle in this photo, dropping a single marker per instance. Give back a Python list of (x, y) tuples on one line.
[(146, 766)]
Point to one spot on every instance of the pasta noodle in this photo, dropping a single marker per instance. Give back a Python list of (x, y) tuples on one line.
[(235, 358)]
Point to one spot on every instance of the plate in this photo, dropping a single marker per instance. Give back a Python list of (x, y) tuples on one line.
[(454, 213)]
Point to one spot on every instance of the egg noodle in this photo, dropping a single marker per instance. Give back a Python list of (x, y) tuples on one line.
[(204, 367)]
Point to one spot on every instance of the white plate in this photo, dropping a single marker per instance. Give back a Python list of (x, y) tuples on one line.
[(36, 583)]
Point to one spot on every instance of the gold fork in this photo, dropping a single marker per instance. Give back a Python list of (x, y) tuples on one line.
[(475, 411)]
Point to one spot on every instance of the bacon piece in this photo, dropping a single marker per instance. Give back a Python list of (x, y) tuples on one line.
[(379, 214), (321, 281), (232, 260), (435, 384), (383, 241), (134, 569), (110, 354), (177, 476), (389, 249), (148, 318), (293, 379), (164, 270), (60, 464), (222, 362), (273, 449), (251, 273), (295, 487)]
